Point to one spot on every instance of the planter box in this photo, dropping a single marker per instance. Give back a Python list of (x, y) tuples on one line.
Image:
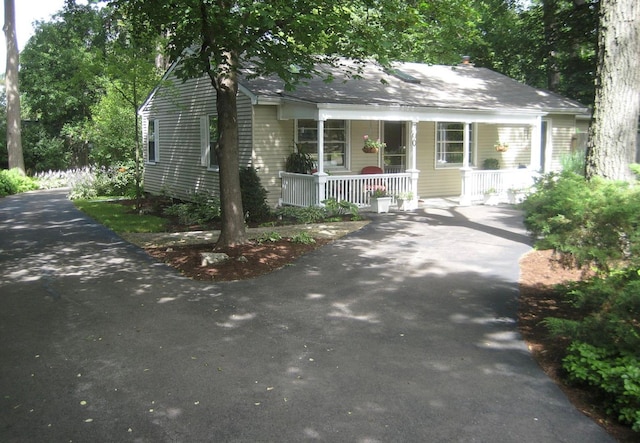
[(380, 204)]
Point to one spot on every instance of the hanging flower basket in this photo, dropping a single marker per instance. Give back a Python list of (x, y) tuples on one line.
[(371, 146), (502, 147)]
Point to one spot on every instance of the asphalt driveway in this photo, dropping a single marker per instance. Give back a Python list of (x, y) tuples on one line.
[(404, 331)]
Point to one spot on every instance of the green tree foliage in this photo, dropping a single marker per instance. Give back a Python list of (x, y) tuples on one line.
[(62, 67)]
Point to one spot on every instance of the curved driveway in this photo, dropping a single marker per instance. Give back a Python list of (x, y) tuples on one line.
[(402, 332)]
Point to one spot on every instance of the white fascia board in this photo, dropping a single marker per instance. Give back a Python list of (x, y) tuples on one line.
[(164, 78), (397, 113)]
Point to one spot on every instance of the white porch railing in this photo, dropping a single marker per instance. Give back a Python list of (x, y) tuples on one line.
[(475, 183), (303, 189)]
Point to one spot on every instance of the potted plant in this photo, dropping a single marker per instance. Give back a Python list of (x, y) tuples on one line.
[(371, 146), (501, 146), (380, 200), (404, 200), (491, 163), (300, 163), (491, 197)]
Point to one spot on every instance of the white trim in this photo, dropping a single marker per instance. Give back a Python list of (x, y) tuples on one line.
[(156, 141)]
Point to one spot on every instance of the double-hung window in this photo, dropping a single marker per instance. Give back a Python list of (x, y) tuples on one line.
[(450, 144), (153, 145), (208, 140), (335, 141)]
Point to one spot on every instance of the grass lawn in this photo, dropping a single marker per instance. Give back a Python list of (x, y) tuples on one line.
[(119, 218)]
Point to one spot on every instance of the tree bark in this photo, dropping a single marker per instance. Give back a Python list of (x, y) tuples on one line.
[(549, 10), (613, 131), (226, 84), (14, 131)]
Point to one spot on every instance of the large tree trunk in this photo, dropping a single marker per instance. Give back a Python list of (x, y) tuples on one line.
[(14, 133), (550, 21), (227, 149), (612, 134)]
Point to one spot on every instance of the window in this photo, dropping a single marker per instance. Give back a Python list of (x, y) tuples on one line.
[(450, 144), (208, 140), (152, 141), (335, 141)]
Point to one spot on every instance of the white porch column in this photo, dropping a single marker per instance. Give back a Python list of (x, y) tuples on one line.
[(321, 176), (412, 163), (536, 145), (465, 146), (321, 146), (465, 171)]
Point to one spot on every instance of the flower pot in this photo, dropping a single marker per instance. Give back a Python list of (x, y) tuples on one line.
[(370, 150), (491, 198), (380, 204)]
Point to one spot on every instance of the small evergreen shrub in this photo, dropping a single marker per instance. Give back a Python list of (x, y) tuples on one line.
[(254, 196)]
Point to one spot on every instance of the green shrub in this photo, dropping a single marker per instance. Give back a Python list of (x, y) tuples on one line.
[(202, 209), (616, 376), (254, 196), (491, 163), (118, 180), (574, 162), (12, 181), (310, 214), (589, 222)]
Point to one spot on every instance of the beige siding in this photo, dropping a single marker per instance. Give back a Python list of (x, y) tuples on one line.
[(178, 106), (273, 142), (516, 136), (433, 182), (564, 137)]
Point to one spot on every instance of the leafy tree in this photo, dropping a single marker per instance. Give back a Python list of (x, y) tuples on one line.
[(14, 132), (62, 72), (220, 37), (613, 130)]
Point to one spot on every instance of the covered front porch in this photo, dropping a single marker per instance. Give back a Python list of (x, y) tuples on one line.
[(435, 162)]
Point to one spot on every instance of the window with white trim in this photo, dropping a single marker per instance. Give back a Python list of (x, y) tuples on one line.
[(335, 141), (208, 140), (450, 144), (153, 145)]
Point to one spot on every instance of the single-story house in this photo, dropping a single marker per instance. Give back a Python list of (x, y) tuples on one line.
[(437, 127)]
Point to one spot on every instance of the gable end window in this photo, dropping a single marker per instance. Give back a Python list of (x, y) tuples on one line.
[(153, 145), (335, 141), (450, 144), (208, 140)]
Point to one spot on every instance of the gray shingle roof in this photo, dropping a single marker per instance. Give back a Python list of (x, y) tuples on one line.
[(448, 87)]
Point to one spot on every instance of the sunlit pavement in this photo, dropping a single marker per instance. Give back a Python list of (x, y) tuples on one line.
[(404, 331)]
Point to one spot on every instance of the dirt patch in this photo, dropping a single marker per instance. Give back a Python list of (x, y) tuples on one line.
[(246, 261)]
